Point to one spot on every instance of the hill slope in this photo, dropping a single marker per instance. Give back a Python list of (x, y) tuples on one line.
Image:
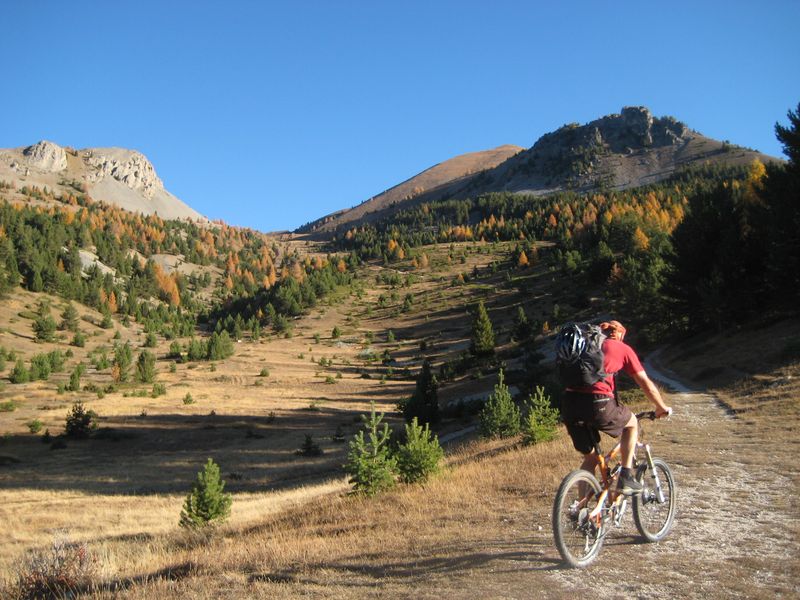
[(615, 152), (114, 175), (459, 169)]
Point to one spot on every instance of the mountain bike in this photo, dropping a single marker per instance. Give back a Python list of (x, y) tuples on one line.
[(585, 509)]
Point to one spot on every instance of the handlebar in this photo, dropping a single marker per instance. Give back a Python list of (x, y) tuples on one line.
[(650, 415)]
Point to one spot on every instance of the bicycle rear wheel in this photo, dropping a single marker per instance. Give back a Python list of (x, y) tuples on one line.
[(654, 509), (578, 537)]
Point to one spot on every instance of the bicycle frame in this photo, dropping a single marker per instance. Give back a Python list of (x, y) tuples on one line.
[(608, 476)]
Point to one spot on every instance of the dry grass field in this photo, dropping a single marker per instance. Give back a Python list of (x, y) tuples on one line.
[(250, 413), (471, 532)]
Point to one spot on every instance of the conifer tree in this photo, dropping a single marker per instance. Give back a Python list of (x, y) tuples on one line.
[(370, 464), (500, 416), (418, 457), (69, 318), (541, 421), (44, 326), (522, 327), (482, 333), (207, 503), (146, 367), (424, 403)]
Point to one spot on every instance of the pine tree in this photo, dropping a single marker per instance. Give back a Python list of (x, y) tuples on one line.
[(19, 374), (369, 462), (424, 403), (69, 318), (219, 346), (541, 421), (482, 333), (146, 367), (44, 326), (500, 417), (123, 358), (418, 457), (207, 503), (522, 327), (80, 423)]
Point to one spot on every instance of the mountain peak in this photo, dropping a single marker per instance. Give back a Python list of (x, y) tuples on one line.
[(115, 175), (47, 156), (126, 166)]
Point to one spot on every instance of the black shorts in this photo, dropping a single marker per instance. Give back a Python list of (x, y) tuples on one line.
[(586, 415)]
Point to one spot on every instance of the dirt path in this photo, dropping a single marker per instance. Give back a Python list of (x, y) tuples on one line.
[(736, 533)]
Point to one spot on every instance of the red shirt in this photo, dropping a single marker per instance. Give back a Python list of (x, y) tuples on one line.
[(617, 356)]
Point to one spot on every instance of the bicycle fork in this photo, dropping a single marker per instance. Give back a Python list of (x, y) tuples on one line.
[(659, 491)]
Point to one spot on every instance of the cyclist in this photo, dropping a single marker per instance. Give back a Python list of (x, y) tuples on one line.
[(587, 411)]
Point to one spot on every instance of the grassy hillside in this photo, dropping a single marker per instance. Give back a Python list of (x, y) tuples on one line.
[(187, 342)]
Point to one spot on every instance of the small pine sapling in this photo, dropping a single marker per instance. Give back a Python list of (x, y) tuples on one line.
[(207, 504)]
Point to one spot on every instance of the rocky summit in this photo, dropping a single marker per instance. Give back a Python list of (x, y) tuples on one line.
[(114, 175), (614, 152)]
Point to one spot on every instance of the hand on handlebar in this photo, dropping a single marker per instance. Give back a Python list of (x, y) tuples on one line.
[(663, 412)]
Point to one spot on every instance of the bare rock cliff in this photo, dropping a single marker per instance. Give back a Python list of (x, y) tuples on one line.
[(126, 166), (46, 156)]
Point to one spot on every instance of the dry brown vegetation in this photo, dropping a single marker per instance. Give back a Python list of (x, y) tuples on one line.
[(293, 530), (129, 481)]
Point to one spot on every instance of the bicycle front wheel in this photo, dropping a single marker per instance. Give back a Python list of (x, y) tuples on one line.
[(654, 509), (578, 534)]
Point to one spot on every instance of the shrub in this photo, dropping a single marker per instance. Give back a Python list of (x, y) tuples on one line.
[(196, 350), (418, 458), (187, 399), (369, 462), (264, 372), (40, 367), (541, 421), (81, 423), (159, 389), (78, 340), (35, 426), (310, 447), (175, 350), (58, 572), (8, 406), (151, 340), (19, 374), (75, 379), (500, 416), (336, 333), (207, 503)]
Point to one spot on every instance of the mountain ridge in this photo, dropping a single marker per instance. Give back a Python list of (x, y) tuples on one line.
[(115, 175), (615, 152)]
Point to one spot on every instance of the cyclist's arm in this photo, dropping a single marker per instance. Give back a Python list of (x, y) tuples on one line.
[(651, 391)]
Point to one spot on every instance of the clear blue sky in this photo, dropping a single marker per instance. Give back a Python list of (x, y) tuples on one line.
[(269, 115)]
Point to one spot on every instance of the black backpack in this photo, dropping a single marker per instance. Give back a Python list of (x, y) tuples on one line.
[(579, 355)]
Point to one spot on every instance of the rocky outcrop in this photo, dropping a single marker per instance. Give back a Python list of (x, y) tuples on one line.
[(126, 166), (46, 156), (617, 151), (114, 175)]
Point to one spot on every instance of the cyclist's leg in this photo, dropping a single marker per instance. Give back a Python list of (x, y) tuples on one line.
[(628, 441), (590, 461)]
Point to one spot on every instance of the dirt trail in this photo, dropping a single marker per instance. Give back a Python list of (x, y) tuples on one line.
[(736, 532)]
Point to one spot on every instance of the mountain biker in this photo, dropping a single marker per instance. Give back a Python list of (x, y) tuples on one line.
[(587, 411)]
